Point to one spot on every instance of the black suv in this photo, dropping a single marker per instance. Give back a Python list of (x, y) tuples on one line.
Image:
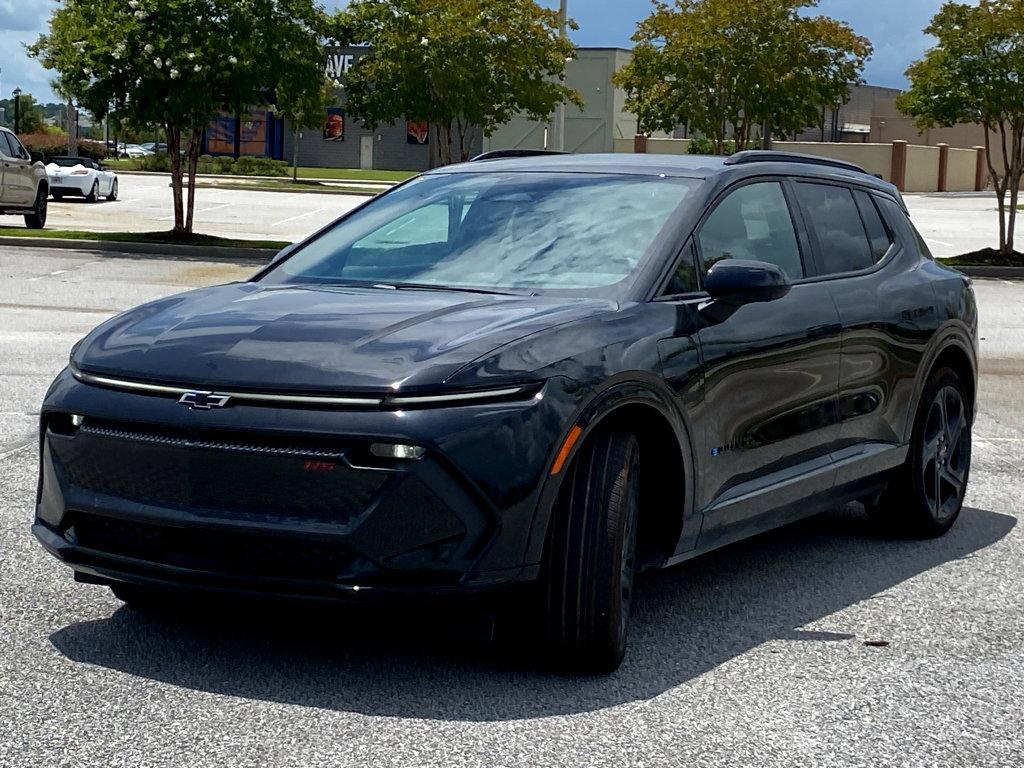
[(523, 374)]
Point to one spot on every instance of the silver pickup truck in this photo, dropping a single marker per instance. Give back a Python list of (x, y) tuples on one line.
[(24, 188)]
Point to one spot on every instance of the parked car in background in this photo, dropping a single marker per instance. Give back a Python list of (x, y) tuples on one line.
[(124, 150), (81, 177), (24, 187), (157, 148), (536, 374)]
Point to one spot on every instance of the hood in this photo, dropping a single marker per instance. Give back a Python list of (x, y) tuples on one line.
[(314, 338)]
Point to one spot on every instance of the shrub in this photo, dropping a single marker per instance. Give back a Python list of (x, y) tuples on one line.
[(154, 163), (702, 145)]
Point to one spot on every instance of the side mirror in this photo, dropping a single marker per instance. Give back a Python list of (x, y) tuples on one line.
[(740, 281)]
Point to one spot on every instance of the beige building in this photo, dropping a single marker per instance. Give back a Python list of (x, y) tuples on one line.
[(871, 117)]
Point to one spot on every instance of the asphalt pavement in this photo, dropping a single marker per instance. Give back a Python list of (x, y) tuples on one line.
[(144, 205), (751, 655)]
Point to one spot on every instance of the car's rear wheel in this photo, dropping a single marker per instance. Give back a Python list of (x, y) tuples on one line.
[(37, 219), (590, 556), (924, 496), (113, 191), (94, 193)]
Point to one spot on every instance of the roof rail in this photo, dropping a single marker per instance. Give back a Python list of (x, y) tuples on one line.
[(499, 154), (772, 156)]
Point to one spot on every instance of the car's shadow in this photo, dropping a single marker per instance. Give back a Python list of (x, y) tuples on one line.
[(687, 621)]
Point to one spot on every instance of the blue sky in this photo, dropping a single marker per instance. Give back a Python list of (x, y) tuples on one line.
[(892, 25)]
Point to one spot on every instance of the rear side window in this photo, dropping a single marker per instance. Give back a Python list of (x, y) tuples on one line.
[(833, 215), (878, 235), (753, 222)]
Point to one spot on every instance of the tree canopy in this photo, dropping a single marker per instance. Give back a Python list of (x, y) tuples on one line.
[(974, 75), (739, 64), (456, 64), (30, 113), (177, 63)]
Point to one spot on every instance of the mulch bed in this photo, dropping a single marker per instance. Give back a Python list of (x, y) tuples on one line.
[(987, 257)]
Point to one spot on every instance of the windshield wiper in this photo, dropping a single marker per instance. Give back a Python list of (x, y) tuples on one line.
[(433, 287)]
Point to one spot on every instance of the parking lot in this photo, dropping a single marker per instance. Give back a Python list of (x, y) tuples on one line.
[(144, 205), (752, 655), (951, 223)]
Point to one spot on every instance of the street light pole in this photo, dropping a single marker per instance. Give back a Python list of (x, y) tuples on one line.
[(560, 109), (17, 110)]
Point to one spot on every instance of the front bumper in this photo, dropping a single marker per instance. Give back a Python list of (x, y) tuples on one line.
[(289, 501)]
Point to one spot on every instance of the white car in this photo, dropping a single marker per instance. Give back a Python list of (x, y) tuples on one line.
[(81, 177)]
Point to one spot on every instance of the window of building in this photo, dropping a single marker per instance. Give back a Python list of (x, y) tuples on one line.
[(754, 222)]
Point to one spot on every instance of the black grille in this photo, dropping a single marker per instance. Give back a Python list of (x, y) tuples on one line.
[(241, 554), (261, 478)]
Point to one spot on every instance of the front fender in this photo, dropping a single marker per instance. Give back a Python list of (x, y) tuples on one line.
[(634, 388)]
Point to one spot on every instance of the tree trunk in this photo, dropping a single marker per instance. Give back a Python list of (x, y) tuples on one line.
[(195, 138), (1014, 178), (998, 183), (174, 150)]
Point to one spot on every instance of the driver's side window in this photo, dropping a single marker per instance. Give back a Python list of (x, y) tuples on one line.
[(752, 222)]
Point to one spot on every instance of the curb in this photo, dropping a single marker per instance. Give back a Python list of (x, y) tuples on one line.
[(235, 177), (204, 253), (989, 271)]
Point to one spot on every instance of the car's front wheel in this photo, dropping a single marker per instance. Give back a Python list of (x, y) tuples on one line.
[(94, 193), (113, 191), (924, 496), (591, 551), (37, 219)]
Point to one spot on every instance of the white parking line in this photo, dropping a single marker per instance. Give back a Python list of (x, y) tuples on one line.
[(939, 242), (300, 216), (214, 208)]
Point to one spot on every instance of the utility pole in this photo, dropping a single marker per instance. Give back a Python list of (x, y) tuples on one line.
[(17, 110), (563, 13)]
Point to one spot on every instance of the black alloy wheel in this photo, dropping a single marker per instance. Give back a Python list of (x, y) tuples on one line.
[(925, 495)]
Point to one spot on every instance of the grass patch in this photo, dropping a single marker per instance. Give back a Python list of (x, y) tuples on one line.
[(986, 257), (350, 174), (169, 236), (273, 185)]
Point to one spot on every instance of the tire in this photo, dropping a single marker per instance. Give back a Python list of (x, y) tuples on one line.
[(113, 191), (590, 556), (37, 219), (924, 496), (94, 193)]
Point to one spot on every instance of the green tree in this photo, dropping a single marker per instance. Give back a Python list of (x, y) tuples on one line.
[(176, 63), (973, 76), (306, 110), (739, 64), (31, 113), (457, 64)]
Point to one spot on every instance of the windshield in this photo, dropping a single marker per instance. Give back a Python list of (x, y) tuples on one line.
[(69, 162), (515, 231)]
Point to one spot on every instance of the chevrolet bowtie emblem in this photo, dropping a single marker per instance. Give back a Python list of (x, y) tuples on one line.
[(202, 399)]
